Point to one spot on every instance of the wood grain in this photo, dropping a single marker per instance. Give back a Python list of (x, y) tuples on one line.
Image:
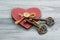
[(10, 31)]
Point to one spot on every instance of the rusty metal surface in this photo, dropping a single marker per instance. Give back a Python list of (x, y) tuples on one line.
[(10, 31)]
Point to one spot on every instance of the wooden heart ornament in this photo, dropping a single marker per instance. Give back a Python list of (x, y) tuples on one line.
[(16, 11)]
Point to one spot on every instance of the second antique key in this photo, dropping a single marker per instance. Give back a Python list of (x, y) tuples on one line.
[(41, 29), (49, 21)]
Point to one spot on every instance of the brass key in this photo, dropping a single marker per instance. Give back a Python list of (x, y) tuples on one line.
[(25, 15)]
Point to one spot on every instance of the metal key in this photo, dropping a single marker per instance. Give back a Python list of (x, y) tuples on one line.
[(41, 29), (25, 15), (49, 21)]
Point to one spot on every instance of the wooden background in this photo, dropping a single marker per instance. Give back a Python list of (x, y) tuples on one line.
[(10, 31)]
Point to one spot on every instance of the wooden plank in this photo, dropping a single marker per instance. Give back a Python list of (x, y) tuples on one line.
[(10, 31)]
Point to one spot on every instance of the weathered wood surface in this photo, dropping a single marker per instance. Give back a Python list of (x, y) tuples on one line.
[(10, 31)]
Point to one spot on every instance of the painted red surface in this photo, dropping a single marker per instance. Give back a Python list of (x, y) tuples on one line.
[(17, 11)]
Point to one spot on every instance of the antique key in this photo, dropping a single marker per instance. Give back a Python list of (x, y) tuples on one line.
[(49, 21), (41, 29), (25, 15)]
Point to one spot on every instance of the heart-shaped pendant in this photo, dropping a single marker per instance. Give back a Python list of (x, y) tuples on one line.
[(16, 11)]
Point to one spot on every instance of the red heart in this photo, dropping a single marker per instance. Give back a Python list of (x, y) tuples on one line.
[(17, 11)]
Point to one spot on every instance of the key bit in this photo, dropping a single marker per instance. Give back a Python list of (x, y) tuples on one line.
[(22, 17), (16, 22)]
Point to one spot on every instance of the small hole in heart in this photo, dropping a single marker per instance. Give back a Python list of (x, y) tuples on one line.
[(33, 14)]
